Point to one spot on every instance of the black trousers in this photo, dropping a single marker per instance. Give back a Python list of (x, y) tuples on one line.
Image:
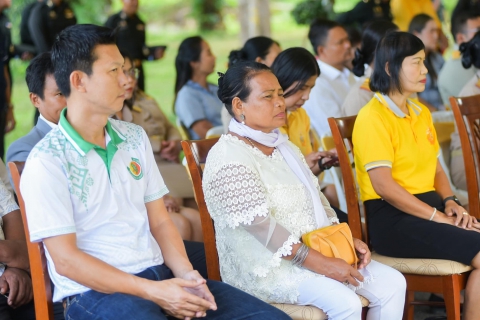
[(398, 234), (25, 312)]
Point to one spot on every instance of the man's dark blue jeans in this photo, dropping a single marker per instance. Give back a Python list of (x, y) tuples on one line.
[(232, 303)]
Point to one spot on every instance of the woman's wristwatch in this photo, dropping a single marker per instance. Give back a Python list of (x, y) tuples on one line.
[(454, 198)]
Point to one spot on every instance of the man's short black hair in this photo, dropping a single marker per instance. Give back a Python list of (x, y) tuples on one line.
[(393, 49), (318, 33), (37, 71), (73, 50), (459, 21)]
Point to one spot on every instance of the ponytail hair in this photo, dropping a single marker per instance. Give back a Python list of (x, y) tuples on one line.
[(373, 33), (256, 47), (236, 82)]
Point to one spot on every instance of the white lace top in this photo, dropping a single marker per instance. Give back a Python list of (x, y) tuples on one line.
[(260, 208)]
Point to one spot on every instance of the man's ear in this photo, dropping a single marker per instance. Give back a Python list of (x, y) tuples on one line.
[(387, 69), (77, 81), (258, 59), (320, 50), (34, 99), (460, 38), (237, 107)]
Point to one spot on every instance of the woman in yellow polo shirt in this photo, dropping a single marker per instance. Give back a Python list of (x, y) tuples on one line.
[(411, 209), (296, 70)]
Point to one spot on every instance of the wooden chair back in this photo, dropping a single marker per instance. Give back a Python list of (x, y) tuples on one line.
[(42, 290), (467, 117), (196, 152), (342, 131)]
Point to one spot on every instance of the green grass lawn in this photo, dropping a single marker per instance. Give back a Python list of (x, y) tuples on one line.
[(160, 75)]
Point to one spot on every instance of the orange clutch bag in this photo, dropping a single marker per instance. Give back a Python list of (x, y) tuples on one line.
[(334, 241)]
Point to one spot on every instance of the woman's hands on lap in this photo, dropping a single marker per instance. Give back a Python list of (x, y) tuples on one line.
[(341, 271), (454, 215), (363, 253), (465, 221), (333, 268)]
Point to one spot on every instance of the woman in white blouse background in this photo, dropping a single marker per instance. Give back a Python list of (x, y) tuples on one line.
[(263, 198)]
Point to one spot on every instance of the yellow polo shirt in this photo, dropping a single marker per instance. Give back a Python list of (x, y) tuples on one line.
[(403, 11), (298, 131), (384, 136)]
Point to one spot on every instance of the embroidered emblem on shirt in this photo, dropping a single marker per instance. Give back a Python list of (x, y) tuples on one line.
[(140, 27), (430, 136), (135, 169)]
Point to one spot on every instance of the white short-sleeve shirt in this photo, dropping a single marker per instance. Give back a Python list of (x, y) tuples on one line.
[(7, 202), (326, 98), (72, 186)]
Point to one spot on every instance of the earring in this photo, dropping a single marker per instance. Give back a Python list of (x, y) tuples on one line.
[(242, 117)]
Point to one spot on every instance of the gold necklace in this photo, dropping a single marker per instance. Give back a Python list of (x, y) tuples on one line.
[(251, 142)]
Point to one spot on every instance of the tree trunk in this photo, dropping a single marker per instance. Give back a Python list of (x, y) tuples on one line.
[(254, 18), (210, 15)]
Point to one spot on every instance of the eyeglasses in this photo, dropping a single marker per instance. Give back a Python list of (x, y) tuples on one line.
[(132, 73), (471, 30)]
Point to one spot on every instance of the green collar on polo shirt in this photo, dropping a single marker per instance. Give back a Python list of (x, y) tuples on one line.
[(386, 101), (82, 146)]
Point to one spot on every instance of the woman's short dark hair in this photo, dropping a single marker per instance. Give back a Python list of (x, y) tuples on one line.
[(252, 49), (418, 23), (392, 49), (372, 34), (292, 65), (471, 52), (189, 51), (73, 49), (236, 82)]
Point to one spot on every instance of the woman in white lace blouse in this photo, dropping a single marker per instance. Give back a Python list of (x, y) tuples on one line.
[(263, 197)]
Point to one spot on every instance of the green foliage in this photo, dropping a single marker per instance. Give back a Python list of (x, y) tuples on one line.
[(307, 11), (91, 11), (208, 14)]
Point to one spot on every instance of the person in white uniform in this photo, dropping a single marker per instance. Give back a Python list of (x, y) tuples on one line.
[(263, 198), (332, 47)]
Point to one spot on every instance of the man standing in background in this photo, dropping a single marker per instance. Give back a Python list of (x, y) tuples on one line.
[(131, 37), (45, 21)]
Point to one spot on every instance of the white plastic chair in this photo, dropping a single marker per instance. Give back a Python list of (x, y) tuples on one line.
[(214, 132)]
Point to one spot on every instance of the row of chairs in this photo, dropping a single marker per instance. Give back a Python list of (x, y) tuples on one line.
[(425, 275), (422, 275)]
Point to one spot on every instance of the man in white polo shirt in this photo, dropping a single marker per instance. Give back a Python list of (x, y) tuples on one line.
[(93, 195), (332, 47)]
